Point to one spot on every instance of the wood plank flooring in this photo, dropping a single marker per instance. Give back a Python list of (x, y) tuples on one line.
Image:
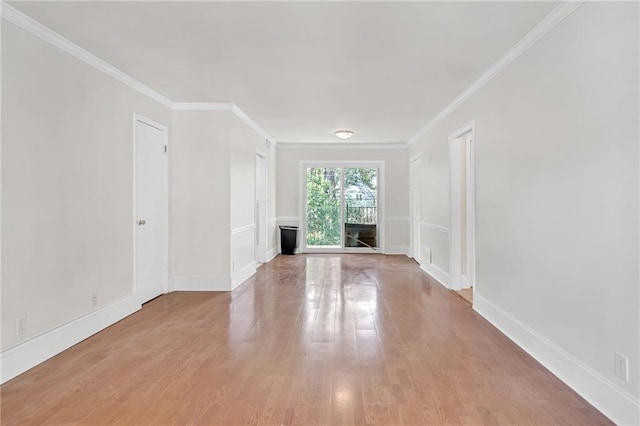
[(466, 294), (310, 339)]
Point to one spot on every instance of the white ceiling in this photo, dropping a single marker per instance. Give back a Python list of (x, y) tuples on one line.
[(302, 69)]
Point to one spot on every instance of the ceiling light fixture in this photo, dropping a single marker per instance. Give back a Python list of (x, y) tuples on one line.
[(344, 134)]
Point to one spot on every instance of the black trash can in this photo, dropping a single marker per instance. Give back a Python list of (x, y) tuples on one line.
[(288, 239)]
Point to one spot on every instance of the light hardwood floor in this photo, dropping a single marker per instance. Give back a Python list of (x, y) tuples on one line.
[(310, 339), (466, 294)]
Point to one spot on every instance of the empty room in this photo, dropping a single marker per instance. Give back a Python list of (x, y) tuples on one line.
[(320, 212)]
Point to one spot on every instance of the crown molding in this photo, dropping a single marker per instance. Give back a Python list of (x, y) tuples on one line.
[(206, 106), (549, 22), (334, 145), (249, 122), (18, 18), (44, 33)]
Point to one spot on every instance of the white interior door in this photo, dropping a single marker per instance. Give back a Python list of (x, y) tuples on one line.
[(261, 209), (415, 209), (150, 209)]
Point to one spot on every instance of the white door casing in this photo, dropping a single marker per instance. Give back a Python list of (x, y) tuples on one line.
[(471, 211), (261, 208), (150, 209), (415, 218), (462, 208)]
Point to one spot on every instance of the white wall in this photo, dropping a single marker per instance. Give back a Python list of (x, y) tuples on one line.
[(67, 198), (200, 193), (396, 184), (557, 188), (244, 144), (212, 161), (67, 185)]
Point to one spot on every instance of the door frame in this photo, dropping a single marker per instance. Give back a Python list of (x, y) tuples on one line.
[(261, 232), (165, 276), (414, 198), (304, 164), (465, 135)]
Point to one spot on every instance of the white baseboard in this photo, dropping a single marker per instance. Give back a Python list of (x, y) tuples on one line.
[(243, 275), (425, 255), (615, 403), (271, 253), (396, 250), (199, 284), (28, 354), (438, 274)]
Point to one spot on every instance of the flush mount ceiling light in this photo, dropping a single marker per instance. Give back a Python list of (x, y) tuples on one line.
[(343, 134)]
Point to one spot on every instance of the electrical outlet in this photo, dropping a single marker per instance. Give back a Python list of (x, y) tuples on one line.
[(621, 366), (94, 299), (21, 325)]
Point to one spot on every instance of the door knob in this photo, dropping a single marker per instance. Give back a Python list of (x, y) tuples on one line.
[(141, 222)]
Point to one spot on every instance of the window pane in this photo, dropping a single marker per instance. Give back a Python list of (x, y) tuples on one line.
[(323, 207), (361, 207)]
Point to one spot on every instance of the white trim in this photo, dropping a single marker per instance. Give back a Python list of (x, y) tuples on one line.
[(425, 256), (142, 119), (469, 127), (337, 145), (615, 403), (243, 275), (261, 235), (34, 27), (435, 227), (396, 250), (459, 141), (557, 15), (271, 253), (455, 215), (242, 229), (26, 355), (343, 163), (150, 122), (415, 206), (470, 280), (437, 274), (212, 106), (248, 121), (396, 219), (273, 219), (199, 284), (23, 21)]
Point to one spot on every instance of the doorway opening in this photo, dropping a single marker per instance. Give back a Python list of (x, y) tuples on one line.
[(151, 252), (341, 207), (462, 256)]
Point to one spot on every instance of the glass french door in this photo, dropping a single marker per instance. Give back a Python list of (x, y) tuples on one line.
[(341, 208)]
